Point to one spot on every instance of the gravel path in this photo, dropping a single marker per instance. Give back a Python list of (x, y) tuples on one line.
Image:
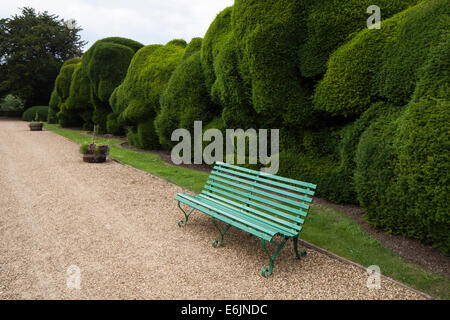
[(118, 226)]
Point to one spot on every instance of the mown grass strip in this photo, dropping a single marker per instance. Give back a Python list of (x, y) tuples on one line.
[(324, 227)]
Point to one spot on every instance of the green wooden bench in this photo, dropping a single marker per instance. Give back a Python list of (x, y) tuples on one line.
[(259, 203)]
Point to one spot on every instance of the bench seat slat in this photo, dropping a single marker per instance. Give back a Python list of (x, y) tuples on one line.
[(217, 188), (283, 225), (259, 185), (234, 223), (235, 216), (260, 192), (267, 175), (290, 220), (268, 181), (278, 229)]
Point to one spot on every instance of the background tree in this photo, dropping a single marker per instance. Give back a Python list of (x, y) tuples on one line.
[(33, 47)]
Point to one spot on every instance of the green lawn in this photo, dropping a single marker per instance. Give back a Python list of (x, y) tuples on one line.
[(325, 227)]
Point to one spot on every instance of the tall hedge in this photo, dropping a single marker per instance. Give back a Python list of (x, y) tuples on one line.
[(77, 109), (380, 65), (62, 87), (267, 51), (346, 146), (193, 47), (212, 43), (330, 22), (106, 64), (403, 161), (375, 178), (185, 100), (348, 85), (132, 93), (408, 51), (53, 107), (137, 98)]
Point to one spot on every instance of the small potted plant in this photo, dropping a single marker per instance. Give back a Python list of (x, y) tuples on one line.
[(36, 125), (93, 152)]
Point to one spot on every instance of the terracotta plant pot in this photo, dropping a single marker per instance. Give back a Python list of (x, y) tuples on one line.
[(36, 126)]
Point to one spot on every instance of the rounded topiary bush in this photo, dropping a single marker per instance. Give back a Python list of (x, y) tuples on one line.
[(193, 47), (422, 172), (346, 144), (184, 101), (375, 179), (403, 159), (53, 107), (347, 87), (307, 167), (61, 89), (63, 80), (106, 64), (212, 43), (132, 93), (30, 113), (177, 42), (407, 52), (77, 109), (229, 91), (380, 65), (329, 23), (138, 97), (267, 50), (219, 56)]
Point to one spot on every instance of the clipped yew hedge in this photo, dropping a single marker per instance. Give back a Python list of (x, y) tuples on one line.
[(53, 107), (184, 101), (406, 53), (77, 109), (61, 90), (137, 99), (106, 64), (328, 24), (403, 158), (380, 65), (266, 52), (348, 87)]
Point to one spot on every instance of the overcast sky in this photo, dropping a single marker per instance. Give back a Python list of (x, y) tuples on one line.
[(146, 21)]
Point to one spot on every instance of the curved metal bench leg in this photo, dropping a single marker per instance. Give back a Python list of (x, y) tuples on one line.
[(266, 272), (296, 247), (218, 243), (302, 254), (182, 223)]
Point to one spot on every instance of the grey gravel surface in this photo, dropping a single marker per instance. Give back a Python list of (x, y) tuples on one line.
[(118, 226)]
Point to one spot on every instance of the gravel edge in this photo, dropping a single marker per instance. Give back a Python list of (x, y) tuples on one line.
[(342, 259)]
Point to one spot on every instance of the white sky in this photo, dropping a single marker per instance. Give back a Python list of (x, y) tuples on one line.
[(146, 21)]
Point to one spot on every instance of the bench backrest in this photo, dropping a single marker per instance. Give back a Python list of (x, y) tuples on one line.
[(280, 201)]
